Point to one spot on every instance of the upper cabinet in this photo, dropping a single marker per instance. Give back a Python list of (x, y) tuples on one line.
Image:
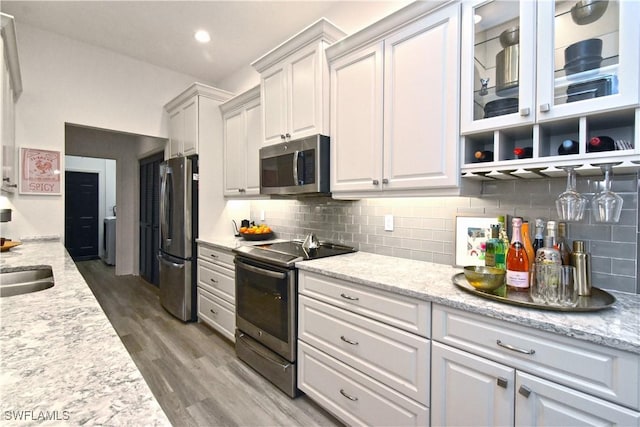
[(394, 104), (527, 62), (188, 117), (295, 84), (241, 117), (542, 82), (10, 90)]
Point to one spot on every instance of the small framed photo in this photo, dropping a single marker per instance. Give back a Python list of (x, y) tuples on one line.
[(472, 234), (39, 172)]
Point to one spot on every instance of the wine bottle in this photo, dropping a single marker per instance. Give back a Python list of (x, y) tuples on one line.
[(568, 146), (562, 244), (496, 249), (517, 263), (600, 143), (483, 156), (538, 239), (523, 152), (528, 246)]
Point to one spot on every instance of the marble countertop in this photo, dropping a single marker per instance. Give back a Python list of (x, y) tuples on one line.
[(61, 360), (617, 327)]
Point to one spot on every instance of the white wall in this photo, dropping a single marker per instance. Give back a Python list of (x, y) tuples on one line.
[(66, 81), (105, 168)]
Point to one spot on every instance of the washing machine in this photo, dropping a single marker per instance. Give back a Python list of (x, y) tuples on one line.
[(109, 241)]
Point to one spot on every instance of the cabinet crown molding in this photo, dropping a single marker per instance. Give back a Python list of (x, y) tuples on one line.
[(321, 30), (11, 50), (378, 30), (240, 99), (201, 90)]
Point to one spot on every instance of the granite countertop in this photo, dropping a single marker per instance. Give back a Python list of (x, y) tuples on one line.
[(61, 360), (617, 327)]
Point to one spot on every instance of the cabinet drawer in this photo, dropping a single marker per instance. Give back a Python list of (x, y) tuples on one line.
[(218, 280), (217, 313), (396, 358), (410, 314), (597, 370), (353, 397), (217, 256)]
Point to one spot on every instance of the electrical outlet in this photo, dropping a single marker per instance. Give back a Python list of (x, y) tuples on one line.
[(262, 215), (388, 223)]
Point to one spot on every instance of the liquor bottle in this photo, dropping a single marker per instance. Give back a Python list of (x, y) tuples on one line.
[(600, 143), (496, 249), (548, 254), (523, 152), (517, 276), (528, 246), (568, 146), (503, 233), (562, 244), (552, 231), (483, 156), (538, 239)]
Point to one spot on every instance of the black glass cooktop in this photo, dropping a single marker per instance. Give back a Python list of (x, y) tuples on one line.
[(288, 253)]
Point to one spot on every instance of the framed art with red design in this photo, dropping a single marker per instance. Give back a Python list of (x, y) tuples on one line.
[(39, 172)]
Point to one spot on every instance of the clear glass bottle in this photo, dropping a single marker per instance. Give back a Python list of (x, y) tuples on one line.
[(496, 249), (548, 254), (562, 244), (552, 231), (503, 233), (517, 277)]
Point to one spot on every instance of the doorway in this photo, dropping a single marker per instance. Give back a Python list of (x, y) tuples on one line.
[(150, 217), (81, 215)]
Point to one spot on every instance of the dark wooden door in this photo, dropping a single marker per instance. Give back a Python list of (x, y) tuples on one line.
[(150, 218), (81, 215)]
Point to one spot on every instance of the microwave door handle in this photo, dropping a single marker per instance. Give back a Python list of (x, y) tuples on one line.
[(296, 154)]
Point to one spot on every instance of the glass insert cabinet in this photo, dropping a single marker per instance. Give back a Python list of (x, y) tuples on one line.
[(536, 73)]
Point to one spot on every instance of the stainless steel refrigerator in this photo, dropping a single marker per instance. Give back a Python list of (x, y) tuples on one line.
[(178, 233)]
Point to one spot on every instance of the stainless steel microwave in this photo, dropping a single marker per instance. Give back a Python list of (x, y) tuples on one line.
[(296, 167)]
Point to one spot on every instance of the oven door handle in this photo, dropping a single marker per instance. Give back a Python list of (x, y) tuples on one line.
[(258, 270)]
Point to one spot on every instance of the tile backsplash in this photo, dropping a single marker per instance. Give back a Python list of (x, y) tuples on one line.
[(424, 228)]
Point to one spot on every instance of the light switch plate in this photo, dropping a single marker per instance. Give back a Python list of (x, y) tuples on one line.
[(388, 223), (262, 215)]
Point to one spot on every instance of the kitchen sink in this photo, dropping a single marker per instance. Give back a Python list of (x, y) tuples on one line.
[(24, 280)]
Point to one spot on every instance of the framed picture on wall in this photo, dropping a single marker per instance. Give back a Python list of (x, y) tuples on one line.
[(472, 234), (39, 172)]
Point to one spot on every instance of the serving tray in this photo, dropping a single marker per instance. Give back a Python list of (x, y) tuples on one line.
[(599, 299)]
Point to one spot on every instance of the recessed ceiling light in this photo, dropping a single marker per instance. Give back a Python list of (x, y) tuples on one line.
[(202, 36)]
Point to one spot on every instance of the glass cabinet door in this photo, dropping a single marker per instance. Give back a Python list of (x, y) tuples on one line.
[(587, 56), (497, 64)]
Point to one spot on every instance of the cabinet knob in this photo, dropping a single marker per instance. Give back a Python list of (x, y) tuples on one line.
[(282, 136), (214, 281), (385, 181), (212, 312), (524, 112), (241, 190), (375, 182), (544, 108), (288, 136), (502, 382), (525, 391)]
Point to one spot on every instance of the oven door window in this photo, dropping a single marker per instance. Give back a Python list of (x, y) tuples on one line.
[(262, 298)]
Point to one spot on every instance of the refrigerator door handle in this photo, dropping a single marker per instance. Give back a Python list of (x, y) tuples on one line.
[(166, 219)]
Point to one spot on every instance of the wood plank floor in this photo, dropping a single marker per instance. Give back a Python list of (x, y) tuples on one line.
[(192, 371)]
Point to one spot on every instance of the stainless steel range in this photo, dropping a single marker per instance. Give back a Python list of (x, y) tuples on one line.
[(266, 306)]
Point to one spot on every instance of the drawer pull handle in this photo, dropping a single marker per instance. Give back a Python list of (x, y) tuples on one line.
[(502, 382), (350, 298), (516, 349), (214, 255), (348, 341), (525, 391), (213, 312), (214, 280), (352, 398)]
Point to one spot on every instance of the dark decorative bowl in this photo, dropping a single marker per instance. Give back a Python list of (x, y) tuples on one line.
[(256, 237)]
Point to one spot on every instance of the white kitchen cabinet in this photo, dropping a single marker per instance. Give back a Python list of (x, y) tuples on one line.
[(294, 84), (363, 353), (189, 114), (503, 373), (242, 123), (394, 106), (538, 94), (10, 90), (216, 289)]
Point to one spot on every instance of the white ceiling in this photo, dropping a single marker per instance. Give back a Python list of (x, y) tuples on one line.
[(161, 32)]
